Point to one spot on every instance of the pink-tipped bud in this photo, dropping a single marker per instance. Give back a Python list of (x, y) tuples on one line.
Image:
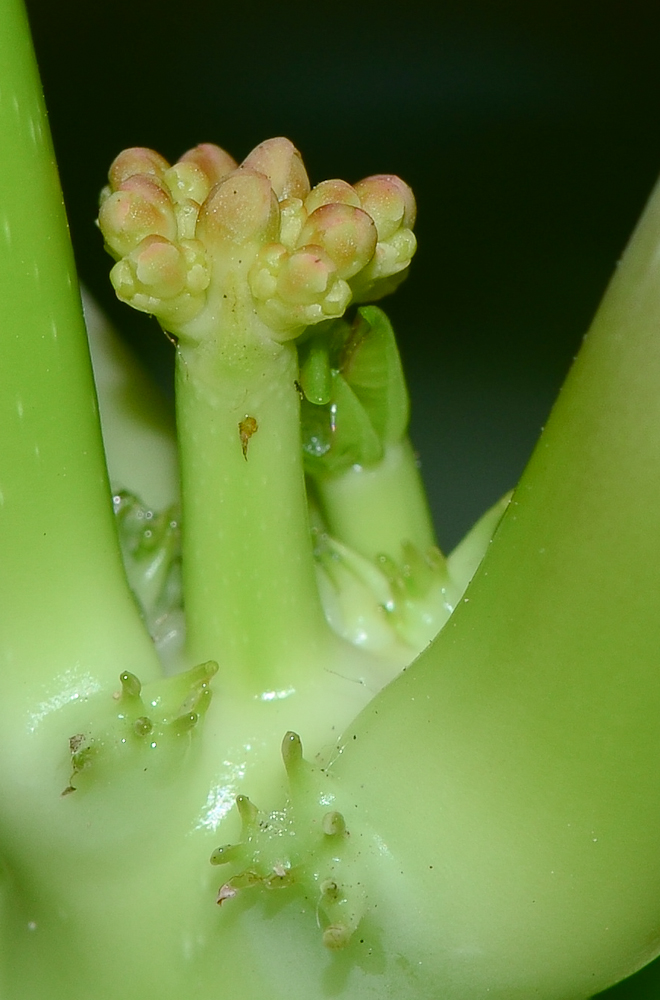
[(282, 164), (391, 204), (137, 160), (240, 209), (330, 193), (346, 234), (389, 201), (141, 208), (212, 160)]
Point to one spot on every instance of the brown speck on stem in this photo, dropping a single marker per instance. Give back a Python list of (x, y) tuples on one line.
[(246, 428)]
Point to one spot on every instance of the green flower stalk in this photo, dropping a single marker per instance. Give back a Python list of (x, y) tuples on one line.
[(242, 264), (244, 749)]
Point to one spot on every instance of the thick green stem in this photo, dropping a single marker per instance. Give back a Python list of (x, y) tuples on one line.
[(376, 509), (532, 722), (251, 597), (68, 623)]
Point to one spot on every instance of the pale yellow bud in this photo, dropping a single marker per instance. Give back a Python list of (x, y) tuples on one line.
[(187, 181), (292, 218)]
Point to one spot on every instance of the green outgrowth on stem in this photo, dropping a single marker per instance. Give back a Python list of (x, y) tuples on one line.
[(306, 849)]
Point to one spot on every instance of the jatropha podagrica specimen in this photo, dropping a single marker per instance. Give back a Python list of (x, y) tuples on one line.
[(484, 825)]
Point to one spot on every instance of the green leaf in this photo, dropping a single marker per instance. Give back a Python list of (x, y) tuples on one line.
[(340, 434), (372, 367), (355, 396)]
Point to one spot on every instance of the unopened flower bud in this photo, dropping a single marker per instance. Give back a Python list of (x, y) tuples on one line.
[(292, 218), (391, 204), (137, 160), (186, 213), (265, 270), (187, 181), (347, 234), (141, 208), (240, 209), (160, 268), (387, 268), (305, 275), (389, 201), (214, 162), (282, 164), (332, 192)]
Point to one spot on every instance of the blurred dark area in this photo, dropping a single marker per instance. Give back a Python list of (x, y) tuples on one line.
[(528, 132)]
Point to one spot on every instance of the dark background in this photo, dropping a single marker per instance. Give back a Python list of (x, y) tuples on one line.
[(529, 132)]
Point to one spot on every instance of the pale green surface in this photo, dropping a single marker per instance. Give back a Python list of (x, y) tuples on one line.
[(61, 586), (138, 428), (376, 508), (248, 569), (501, 797), (522, 748), (107, 891)]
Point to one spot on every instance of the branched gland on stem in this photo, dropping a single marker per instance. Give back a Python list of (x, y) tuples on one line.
[(237, 262), (305, 848)]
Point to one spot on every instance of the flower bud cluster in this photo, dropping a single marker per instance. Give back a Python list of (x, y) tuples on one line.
[(336, 243), (305, 252), (148, 217)]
